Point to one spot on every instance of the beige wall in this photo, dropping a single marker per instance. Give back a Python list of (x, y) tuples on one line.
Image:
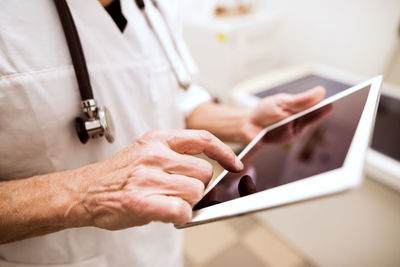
[(393, 72), (358, 36)]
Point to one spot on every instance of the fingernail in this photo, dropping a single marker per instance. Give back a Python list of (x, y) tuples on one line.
[(239, 164)]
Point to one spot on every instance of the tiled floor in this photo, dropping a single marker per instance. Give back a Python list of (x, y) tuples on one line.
[(237, 242), (240, 241)]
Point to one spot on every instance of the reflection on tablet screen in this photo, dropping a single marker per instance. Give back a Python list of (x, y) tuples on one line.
[(314, 143)]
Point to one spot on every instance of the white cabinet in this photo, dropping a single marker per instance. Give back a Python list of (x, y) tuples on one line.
[(229, 50)]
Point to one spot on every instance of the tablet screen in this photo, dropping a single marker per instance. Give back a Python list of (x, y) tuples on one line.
[(387, 128), (314, 143)]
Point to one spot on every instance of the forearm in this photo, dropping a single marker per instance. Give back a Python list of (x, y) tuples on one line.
[(227, 123), (38, 205), (153, 179)]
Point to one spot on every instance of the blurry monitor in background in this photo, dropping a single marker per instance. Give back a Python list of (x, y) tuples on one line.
[(386, 138)]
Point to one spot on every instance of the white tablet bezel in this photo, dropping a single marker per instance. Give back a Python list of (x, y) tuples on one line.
[(343, 178)]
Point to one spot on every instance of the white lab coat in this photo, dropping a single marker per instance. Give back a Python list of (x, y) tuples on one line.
[(39, 100)]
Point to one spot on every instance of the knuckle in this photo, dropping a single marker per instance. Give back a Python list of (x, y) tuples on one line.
[(173, 139), (154, 134), (227, 154), (205, 135), (146, 179), (132, 201), (154, 155), (140, 174)]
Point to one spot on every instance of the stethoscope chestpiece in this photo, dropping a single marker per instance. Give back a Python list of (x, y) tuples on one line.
[(97, 123)]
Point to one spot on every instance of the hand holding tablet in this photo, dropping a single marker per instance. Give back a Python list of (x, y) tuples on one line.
[(277, 107), (316, 152)]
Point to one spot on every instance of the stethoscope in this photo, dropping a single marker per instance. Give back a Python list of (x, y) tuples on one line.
[(97, 121)]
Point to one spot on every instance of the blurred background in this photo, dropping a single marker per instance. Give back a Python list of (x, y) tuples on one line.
[(237, 44), (232, 40)]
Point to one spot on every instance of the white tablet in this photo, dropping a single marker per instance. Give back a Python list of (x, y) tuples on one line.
[(316, 152), (383, 159)]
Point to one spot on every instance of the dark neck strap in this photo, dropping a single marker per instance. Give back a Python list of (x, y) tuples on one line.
[(115, 12), (75, 49)]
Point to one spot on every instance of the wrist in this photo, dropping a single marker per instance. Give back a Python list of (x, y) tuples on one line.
[(241, 124), (249, 129), (249, 132), (72, 211)]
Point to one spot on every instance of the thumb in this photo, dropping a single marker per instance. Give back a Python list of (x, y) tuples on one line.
[(307, 99)]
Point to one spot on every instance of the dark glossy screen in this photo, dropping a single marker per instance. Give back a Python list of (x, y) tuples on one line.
[(315, 143), (387, 128)]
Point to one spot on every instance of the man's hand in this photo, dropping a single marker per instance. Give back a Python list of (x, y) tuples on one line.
[(240, 125), (154, 179), (277, 107)]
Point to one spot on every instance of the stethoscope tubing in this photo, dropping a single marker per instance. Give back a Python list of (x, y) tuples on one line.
[(75, 49), (97, 121), (183, 78)]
